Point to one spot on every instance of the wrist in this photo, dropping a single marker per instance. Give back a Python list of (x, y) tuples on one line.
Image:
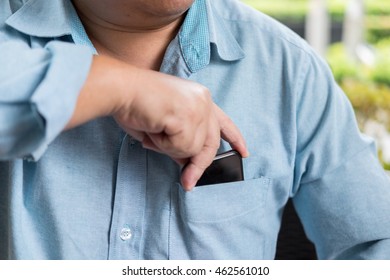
[(107, 90), (127, 79)]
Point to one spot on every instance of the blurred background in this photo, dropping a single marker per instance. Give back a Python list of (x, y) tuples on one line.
[(354, 37)]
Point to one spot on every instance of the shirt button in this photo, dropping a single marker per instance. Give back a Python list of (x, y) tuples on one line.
[(126, 233)]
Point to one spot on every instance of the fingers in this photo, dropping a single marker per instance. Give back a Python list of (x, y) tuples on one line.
[(181, 145), (178, 118), (194, 170), (223, 127), (173, 113), (219, 126), (137, 135), (198, 164), (231, 133)]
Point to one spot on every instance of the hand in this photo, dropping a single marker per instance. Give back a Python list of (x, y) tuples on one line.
[(177, 117), (196, 165), (167, 114)]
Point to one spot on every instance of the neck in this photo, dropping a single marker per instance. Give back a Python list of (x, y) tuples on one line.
[(142, 46)]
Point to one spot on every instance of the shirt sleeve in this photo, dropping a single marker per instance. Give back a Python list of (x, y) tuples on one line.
[(38, 93), (341, 192)]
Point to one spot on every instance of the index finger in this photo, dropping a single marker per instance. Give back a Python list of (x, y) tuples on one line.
[(195, 167), (197, 164), (231, 133)]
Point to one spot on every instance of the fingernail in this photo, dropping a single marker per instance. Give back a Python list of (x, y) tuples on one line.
[(189, 185)]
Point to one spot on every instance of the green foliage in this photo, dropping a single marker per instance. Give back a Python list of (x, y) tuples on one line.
[(367, 87), (381, 72), (289, 10), (377, 7), (378, 27), (343, 67), (300, 7), (377, 19), (386, 165), (367, 98)]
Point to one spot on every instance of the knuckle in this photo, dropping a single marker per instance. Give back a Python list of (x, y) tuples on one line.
[(204, 95)]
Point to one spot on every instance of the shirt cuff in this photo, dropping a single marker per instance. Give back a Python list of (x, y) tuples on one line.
[(56, 98)]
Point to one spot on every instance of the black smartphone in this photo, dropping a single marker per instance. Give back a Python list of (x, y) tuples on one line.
[(226, 167)]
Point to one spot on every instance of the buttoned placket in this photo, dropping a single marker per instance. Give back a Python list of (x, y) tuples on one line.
[(129, 201)]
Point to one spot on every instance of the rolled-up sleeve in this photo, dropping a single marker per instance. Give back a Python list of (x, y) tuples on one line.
[(341, 192), (39, 88)]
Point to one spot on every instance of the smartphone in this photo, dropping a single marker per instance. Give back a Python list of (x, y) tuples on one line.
[(226, 167)]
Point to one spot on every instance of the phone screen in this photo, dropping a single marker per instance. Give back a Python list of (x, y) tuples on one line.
[(226, 167)]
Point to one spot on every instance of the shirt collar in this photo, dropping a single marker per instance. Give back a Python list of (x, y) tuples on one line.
[(227, 46), (203, 26), (61, 19), (56, 23)]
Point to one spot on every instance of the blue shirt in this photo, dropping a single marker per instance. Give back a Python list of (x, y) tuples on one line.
[(94, 193)]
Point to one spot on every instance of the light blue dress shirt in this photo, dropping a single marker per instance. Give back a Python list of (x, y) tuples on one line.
[(94, 193)]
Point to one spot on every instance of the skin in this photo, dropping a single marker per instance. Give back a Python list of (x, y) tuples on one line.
[(167, 114)]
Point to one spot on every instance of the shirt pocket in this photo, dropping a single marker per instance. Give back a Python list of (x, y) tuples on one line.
[(221, 221)]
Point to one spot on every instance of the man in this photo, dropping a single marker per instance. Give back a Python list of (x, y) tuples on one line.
[(92, 152)]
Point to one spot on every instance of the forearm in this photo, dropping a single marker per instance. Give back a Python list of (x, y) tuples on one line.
[(109, 87)]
